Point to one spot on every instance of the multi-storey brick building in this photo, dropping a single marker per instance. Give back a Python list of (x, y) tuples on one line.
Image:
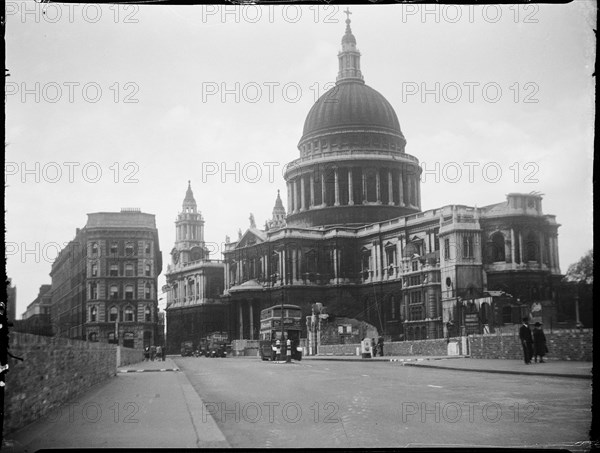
[(104, 283)]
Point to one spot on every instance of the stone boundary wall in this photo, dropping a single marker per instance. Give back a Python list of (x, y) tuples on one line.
[(568, 344), (128, 356), (54, 371), (435, 347)]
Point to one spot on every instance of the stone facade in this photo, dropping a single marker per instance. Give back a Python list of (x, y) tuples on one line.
[(356, 241), (54, 371), (194, 282)]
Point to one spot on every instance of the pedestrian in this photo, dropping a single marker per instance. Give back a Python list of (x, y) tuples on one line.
[(158, 352), (147, 353), (277, 350), (164, 353), (380, 346), (526, 341), (374, 347), (539, 343), (152, 352)]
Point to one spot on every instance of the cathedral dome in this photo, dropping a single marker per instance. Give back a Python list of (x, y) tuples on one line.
[(349, 105)]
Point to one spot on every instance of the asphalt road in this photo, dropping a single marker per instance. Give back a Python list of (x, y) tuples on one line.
[(366, 404)]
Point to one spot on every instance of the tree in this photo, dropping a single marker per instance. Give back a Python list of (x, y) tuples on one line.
[(583, 270)]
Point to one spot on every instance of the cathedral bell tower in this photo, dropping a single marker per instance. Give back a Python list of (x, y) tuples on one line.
[(189, 232)]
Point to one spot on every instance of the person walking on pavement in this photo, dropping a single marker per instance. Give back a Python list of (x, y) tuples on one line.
[(526, 341), (152, 352), (147, 353), (373, 347), (380, 346), (539, 343)]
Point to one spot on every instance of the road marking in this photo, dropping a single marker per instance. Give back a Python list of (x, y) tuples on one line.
[(365, 375), (435, 386)]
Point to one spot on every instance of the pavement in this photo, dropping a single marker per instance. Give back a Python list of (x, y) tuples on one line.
[(126, 411), (129, 409), (551, 368)]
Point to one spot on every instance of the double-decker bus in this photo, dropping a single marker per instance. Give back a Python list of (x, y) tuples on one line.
[(271, 330)]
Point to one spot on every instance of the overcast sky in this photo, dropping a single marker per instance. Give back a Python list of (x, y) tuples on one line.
[(133, 101)]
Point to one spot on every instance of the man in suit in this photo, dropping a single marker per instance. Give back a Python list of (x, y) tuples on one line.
[(526, 341)]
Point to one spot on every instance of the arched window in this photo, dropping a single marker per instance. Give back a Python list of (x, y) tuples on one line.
[(366, 262), (148, 291), (94, 269), (114, 292), (128, 270), (128, 340), (128, 292), (147, 314), (93, 336), (531, 247), (113, 314), (114, 248), (93, 291), (93, 314), (129, 314), (497, 247), (112, 338), (94, 248), (129, 249)]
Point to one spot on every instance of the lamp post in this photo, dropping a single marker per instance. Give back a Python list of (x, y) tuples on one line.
[(282, 315)]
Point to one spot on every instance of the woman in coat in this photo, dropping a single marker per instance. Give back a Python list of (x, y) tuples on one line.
[(539, 343)]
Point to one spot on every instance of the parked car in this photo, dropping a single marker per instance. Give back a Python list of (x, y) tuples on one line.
[(187, 349)]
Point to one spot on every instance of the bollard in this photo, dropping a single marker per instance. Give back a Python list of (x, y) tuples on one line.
[(288, 352)]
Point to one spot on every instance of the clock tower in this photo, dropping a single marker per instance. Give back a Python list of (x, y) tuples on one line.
[(189, 228)]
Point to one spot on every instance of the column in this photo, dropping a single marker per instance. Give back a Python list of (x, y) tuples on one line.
[(410, 191), (554, 242), (202, 286), (294, 197), (520, 247), (541, 248), (364, 186), (335, 266), (551, 252), (390, 188), (375, 259), (283, 267), (289, 196), (312, 191), (350, 188), (418, 187), (241, 314), (377, 186), (302, 196), (401, 188), (294, 265), (337, 187), (323, 189), (512, 245), (251, 322)]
